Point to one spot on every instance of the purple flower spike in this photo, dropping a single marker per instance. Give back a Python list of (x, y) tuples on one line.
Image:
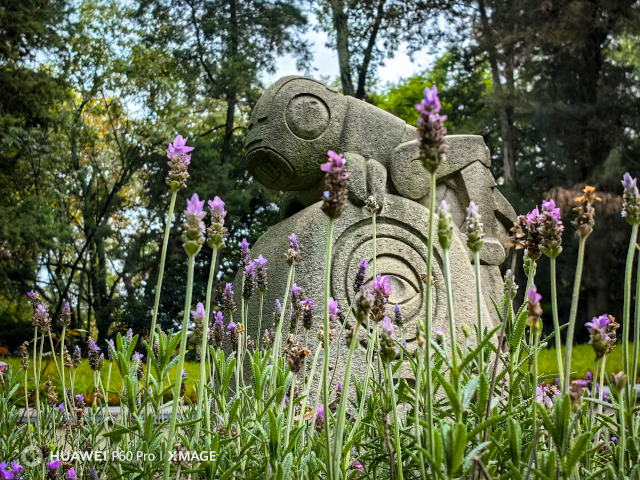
[(320, 413), (631, 199), (335, 196), (598, 324), (431, 130), (199, 313), (53, 466), (430, 102), (4, 473), (71, 474), (216, 206), (16, 470), (195, 207), (360, 275), (93, 346), (533, 296), (137, 355), (339, 389), (179, 147), (61, 408)]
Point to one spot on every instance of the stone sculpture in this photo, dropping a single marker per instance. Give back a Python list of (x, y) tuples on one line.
[(294, 124)]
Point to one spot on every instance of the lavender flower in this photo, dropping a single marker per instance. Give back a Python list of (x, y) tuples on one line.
[(293, 253), (129, 337), (360, 275), (399, 319), (94, 474), (319, 426), (532, 222), (602, 334), (77, 357), (53, 466), (96, 359), (193, 235), (71, 474), (551, 228), (445, 230), (218, 330), (40, 318), (364, 302), (178, 147), (199, 315), (533, 308), (4, 473), (630, 200), (474, 229), (381, 290), (277, 312), (16, 470), (388, 347), (233, 335), (261, 273), (245, 254), (545, 395), (249, 280), (24, 353), (334, 198), (296, 307), (183, 383), (371, 205), (585, 213), (179, 160), (307, 313), (228, 304), (65, 315), (431, 131), (216, 231), (111, 349)]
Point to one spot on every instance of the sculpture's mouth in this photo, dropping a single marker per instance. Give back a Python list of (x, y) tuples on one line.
[(270, 168)]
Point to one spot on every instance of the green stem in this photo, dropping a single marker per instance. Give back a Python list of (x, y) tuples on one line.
[(452, 325), (603, 365), (590, 421), (572, 318), (290, 413), (416, 411), (308, 389), (556, 322), (178, 381), (476, 263), (429, 316), (622, 434), (636, 330), (375, 251), (342, 412), (156, 304), (202, 393), (275, 353), (361, 410), (396, 422), (37, 381), (327, 352), (64, 389)]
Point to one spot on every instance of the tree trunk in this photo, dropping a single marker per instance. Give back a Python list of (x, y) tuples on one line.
[(364, 68), (502, 104), (341, 26), (231, 113)]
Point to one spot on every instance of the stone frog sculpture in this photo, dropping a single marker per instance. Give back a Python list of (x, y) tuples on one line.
[(293, 126)]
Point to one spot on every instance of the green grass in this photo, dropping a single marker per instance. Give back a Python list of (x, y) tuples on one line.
[(583, 362), (84, 379)]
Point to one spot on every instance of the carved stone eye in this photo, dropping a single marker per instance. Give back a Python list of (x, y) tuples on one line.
[(307, 116)]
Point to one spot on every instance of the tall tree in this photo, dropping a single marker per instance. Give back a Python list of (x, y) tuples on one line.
[(225, 45), (366, 32)]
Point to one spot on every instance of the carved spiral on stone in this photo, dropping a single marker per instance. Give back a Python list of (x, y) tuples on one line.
[(401, 254)]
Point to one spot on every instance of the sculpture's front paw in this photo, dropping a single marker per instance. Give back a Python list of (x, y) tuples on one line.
[(368, 177)]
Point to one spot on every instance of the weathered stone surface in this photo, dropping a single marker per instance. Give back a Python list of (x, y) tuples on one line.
[(294, 124)]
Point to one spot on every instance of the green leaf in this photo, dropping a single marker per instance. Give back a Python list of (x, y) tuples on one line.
[(577, 451)]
